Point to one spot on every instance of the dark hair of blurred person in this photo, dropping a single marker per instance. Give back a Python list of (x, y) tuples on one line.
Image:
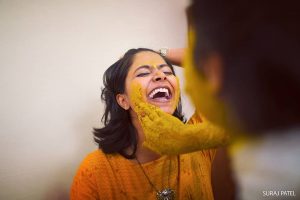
[(259, 44)]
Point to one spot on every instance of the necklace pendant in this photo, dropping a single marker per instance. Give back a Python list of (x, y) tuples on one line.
[(166, 194)]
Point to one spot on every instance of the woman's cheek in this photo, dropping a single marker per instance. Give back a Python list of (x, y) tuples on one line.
[(142, 88), (136, 93)]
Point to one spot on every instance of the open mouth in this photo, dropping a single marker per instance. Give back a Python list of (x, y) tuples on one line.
[(160, 94)]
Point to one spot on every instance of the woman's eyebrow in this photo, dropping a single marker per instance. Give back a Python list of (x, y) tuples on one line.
[(162, 65), (143, 67), (149, 67)]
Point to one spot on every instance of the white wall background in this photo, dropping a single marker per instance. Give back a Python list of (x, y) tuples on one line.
[(52, 57)]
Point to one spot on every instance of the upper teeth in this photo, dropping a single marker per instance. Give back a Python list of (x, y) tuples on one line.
[(151, 95)]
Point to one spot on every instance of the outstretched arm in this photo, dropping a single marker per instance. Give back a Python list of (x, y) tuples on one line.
[(166, 134)]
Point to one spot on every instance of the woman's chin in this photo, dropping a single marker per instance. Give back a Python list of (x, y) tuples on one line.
[(166, 105), (165, 108)]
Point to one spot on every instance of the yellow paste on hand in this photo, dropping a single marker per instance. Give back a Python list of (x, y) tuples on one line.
[(166, 134)]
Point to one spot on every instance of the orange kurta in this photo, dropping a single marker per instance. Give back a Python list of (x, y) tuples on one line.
[(102, 176), (111, 176)]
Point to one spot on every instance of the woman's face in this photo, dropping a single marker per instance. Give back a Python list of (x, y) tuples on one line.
[(159, 85)]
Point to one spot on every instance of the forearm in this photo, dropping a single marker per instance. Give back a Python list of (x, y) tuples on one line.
[(186, 138), (203, 136), (176, 56)]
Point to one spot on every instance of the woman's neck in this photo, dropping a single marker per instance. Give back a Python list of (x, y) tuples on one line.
[(145, 155)]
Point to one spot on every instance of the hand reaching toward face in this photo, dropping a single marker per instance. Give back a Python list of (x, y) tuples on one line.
[(166, 134)]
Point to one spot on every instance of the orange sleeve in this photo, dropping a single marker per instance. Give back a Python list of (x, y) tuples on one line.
[(84, 184)]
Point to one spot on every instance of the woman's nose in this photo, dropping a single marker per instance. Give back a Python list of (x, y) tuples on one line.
[(159, 76)]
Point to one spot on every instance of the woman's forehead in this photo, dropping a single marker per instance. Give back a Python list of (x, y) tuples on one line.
[(147, 58)]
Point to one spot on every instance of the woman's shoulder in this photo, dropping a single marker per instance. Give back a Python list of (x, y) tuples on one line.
[(87, 176), (94, 155), (94, 159), (99, 159)]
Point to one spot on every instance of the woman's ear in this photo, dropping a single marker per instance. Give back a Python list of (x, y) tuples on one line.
[(213, 70), (123, 101)]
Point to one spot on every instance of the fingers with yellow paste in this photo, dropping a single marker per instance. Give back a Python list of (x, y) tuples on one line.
[(166, 134)]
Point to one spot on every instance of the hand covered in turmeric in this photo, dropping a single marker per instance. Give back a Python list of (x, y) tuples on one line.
[(166, 134)]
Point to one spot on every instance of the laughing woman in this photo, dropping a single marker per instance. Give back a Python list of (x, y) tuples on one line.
[(124, 167)]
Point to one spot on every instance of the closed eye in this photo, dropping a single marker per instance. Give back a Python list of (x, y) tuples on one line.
[(143, 74), (168, 73), (166, 69)]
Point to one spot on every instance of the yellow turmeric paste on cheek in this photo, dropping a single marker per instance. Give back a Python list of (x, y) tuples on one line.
[(136, 96)]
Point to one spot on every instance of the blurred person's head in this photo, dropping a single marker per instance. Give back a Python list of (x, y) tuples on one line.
[(247, 54), (156, 77)]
